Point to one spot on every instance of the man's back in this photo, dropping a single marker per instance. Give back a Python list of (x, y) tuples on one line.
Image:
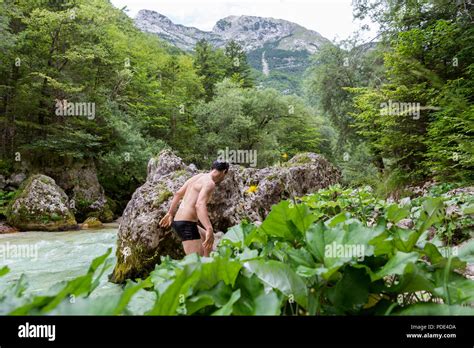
[(187, 208)]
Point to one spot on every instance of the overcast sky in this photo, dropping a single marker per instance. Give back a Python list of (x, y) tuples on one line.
[(331, 18)]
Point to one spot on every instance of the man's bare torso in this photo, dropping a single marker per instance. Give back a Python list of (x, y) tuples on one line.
[(187, 208)]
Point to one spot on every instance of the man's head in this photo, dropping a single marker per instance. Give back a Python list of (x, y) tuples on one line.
[(219, 170)]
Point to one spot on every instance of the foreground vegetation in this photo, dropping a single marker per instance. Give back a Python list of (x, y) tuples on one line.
[(335, 252)]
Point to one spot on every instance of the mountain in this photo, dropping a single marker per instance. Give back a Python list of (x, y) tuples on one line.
[(278, 49)]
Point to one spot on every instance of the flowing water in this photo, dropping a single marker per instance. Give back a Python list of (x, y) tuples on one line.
[(47, 258)]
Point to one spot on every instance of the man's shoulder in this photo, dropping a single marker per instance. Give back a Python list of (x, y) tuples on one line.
[(210, 184)]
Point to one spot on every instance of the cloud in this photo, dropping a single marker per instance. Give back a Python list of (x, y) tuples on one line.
[(331, 18)]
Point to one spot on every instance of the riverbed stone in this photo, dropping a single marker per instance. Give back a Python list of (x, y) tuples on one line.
[(5, 228), (40, 205), (246, 193), (92, 222)]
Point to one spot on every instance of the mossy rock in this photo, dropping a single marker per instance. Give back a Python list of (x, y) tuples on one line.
[(40, 205), (92, 222), (104, 215)]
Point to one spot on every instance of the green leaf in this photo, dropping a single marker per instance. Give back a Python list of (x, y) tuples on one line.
[(217, 296), (436, 309), (228, 307), (179, 288), (255, 300), (216, 269), (235, 236), (288, 221), (352, 291), (4, 270), (341, 217), (127, 294), (469, 209), (394, 213), (433, 212), (280, 276), (466, 252), (396, 264), (413, 279)]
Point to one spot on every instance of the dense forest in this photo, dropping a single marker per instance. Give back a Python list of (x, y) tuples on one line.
[(148, 96), (81, 84)]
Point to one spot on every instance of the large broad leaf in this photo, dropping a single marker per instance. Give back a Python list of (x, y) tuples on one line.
[(281, 277), (396, 264), (352, 291), (300, 257), (218, 296), (302, 217), (414, 279), (234, 236), (228, 307), (348, 241), (177, 291), (465, 252), (433, 212), (453, 288), (437, 260), (394, 213), (436, 309), (405, 240), (288, 221), (128, 292), (237, 235), (254, 299), (317, 238), (88, 306), (216, 269), (341, 217)]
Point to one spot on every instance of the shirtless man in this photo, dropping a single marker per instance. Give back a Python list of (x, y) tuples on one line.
[(195, 194)]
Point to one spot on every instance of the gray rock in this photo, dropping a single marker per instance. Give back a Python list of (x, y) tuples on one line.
[(4, 228), (141, 242), (41, 206), (87, 198), (16, 180), (406, 223)]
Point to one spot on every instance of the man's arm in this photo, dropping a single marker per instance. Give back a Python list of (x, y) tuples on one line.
[(168, 218), (202, 213), (177, 198)]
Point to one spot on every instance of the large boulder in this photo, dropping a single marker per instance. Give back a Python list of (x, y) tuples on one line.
[(79, 180), (246, 193), (40, 205)]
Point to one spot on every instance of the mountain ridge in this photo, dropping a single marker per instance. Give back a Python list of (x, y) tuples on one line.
[(278, 50), (252, 32)]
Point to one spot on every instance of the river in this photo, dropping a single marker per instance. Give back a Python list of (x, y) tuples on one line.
[(49, 257)]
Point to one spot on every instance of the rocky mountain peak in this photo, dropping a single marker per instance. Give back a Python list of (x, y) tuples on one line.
[(250, 31)]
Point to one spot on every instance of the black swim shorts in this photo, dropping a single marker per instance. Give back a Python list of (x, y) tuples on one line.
[(187, 230)]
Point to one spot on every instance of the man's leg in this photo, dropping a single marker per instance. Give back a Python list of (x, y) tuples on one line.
[(193, 246)]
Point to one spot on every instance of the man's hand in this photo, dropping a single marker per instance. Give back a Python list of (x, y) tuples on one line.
[(166, 221), (208, 243)]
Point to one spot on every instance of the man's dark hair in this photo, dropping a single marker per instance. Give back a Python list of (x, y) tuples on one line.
[(220, 166)]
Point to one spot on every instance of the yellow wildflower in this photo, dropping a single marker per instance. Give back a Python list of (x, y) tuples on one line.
[(252, 189)]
